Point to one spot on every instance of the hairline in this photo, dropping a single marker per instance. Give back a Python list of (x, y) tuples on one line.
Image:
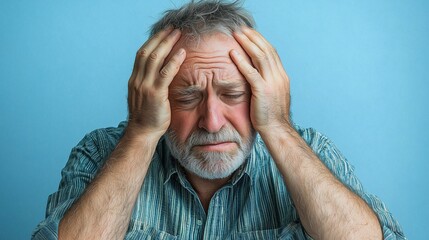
[(210, 22)]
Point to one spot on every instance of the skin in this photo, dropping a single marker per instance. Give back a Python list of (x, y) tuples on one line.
[(104, 209), (327, 209), (216, 95), (220, 95)]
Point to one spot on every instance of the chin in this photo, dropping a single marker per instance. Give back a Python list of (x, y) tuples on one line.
[(213, 165)]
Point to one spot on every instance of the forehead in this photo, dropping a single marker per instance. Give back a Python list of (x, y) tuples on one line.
[(215, 44), (208, 57)]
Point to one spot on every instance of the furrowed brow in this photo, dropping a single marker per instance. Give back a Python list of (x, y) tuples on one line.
[(231, 84), (184, 91)]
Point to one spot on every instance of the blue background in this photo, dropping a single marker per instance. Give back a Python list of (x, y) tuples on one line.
[(359, 73)]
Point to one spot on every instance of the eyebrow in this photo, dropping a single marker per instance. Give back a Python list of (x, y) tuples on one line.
[(193, 89), (231, 84), (186, 90)]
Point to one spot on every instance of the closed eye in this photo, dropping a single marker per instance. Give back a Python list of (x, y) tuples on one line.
[(233, 96), (187, 101)]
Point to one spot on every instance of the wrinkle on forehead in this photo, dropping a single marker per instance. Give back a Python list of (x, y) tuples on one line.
[(208, 57), (210, 44), (188, 89), (197, 73), (208, 62)]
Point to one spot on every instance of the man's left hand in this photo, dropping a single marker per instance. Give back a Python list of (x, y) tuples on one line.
[(270, 102)]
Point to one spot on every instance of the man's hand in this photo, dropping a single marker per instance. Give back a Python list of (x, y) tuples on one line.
[(323, 203), (148, 105), (104, 211), (270, 103)]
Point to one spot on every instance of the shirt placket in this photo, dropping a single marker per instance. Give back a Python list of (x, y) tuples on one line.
[(215, 227)]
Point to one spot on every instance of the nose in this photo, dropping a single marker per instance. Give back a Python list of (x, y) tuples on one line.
[(211, 117)]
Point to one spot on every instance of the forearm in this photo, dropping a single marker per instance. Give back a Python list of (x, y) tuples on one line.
[(327, 208), (104, 209)]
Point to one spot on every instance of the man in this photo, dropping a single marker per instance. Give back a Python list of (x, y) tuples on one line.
[(209, 150)]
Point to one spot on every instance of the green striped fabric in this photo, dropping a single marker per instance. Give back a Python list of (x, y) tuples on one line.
[(255, 204)]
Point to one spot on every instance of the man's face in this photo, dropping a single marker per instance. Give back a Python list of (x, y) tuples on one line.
[(210, 132)]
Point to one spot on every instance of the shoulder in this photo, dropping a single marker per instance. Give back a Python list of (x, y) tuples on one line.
[(316, 140), (107, 135), (321, 145), (326, 151), (97, 145)]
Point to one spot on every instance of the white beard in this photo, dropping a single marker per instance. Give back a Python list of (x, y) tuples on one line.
[(210, 164)]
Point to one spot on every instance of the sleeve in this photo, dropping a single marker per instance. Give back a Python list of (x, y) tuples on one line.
[(81, 168), (344, 171)]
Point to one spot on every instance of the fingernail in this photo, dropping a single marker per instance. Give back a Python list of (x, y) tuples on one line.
[(181, 51)]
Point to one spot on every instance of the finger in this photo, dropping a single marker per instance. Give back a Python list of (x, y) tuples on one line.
[(259, 57), (257, 38), (273, 57), (279, 64), (157, 57), (249, 72), (262, 43), (167, 73), (147, 48)]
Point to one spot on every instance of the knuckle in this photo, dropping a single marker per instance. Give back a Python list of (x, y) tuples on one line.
[(274, 55), (261, 56), (156, 36), (154, 56), (164, 41), (252, 71), (142, 52), (133, 86), (165, 72), (170, 68), (266, 49), (174, 61), (131, 81), (274, 51)]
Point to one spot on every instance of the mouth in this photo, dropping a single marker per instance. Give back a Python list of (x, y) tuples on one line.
[(216, 146)]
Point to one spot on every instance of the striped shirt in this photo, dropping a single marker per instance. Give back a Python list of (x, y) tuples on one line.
[(255, 204)]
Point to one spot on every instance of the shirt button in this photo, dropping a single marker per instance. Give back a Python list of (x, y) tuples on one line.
[(199, 222)]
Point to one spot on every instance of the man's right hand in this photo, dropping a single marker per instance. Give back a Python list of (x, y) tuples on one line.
[(104, 212), (148, 105)]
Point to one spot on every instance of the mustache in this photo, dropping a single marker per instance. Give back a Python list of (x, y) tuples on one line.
[(202, 137)]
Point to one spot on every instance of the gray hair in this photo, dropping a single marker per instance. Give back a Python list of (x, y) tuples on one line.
[(197, 18)]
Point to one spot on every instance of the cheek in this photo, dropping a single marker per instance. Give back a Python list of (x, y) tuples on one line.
[(240, 118), (182, 123)]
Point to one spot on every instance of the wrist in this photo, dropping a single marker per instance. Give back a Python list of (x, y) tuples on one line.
[(135, 132), (137, 148), (277, 131), (139, 137)]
